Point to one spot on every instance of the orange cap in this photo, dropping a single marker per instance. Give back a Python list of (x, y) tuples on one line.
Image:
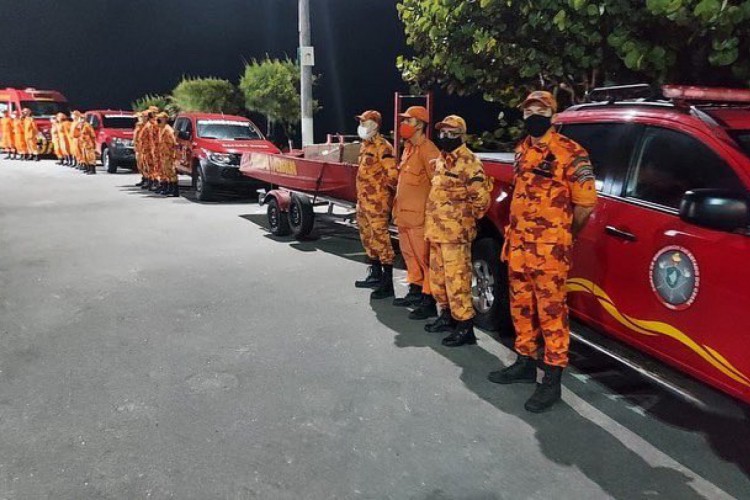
[(418, 112), (370, 114), (454, 122), (540, 97)]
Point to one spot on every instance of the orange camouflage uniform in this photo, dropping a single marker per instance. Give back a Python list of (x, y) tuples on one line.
[(137, 146), (550, 178), (149, 139), (460, 195), (6, 127), (167, 153), (376, 182)]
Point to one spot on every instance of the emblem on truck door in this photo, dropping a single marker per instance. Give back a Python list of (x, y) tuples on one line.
[(675, 277)]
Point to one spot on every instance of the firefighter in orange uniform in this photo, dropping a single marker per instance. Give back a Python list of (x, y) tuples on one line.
[(19, 137), (63, 138), (460, 195), (137, 147), (414, 182), (87, 146), (377, 177), (30, 132), (6, 128), (55, 136), (554, 195), (74, 139), (149, 139), (167, 153)]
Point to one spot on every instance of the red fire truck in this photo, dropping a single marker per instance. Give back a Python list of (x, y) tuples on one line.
[(43, 105)]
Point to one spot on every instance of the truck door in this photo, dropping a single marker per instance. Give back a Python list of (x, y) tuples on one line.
[(676, 290), (611, 147), (183, 129)]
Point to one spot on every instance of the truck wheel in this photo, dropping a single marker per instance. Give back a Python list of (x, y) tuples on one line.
[(107, 162), (489, 287), (301, 216), (203, 190), (278, 221)]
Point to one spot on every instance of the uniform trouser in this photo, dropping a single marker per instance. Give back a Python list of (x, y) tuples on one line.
[(373, 231), (538, 303), (416, 254), (450, 278), (21, 147), (32, 147), (168, 172)]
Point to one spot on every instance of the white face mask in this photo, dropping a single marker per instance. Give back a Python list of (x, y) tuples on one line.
[(367, 130)]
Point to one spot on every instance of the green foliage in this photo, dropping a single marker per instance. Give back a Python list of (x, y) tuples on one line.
[(163, 102), (207, 95), (272, 87), (503, 48)]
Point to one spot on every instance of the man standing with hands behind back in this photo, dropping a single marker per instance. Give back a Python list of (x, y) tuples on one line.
[(553, 197), (414, 181)]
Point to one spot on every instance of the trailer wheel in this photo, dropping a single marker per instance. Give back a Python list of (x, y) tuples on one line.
[(489, 287), (278, 221), (301, 216)]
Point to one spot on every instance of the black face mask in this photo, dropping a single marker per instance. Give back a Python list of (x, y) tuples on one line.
[(447, 144), (538, 125)]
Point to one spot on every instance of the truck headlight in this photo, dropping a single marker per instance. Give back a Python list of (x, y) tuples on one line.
[(123, 143), (220, 158)]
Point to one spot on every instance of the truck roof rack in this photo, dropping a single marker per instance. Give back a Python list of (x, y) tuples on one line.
[(618, 93)]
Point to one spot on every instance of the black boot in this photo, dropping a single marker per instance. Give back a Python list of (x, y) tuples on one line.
[(548, 392), (153, 186), (523, 371), (385, 287), (374, 273), (412, 299), (146, 184), (92, 169), (143, 181), (36, 157), (167, 189), (427, 308), (175, 193), (444, 323), (464, 335)]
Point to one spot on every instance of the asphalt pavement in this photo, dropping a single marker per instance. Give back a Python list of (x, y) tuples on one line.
[(158, 347)]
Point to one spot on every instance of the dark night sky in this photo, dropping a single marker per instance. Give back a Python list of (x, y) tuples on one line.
[(107, 53)]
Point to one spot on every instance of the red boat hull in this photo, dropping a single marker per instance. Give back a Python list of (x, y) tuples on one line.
[(329, 179)]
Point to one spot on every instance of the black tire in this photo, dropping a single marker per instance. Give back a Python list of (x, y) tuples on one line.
[(107, 162), (301, 216), (203, 190), (489, 287), (278, 221)]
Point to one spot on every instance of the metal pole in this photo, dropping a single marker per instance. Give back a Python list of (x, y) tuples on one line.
[(306, 99)]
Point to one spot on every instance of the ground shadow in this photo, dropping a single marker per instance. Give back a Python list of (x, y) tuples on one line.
[(564, 436)]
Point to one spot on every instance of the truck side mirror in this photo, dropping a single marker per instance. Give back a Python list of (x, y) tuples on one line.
[(718, 209), (184, 135)]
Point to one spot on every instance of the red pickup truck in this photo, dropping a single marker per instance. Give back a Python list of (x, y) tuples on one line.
[(114, 137), (662, 265), (210, 147)]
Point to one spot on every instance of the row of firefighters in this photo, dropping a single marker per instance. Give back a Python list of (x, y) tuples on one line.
[(436, 194), (74, 144), (73, 140)]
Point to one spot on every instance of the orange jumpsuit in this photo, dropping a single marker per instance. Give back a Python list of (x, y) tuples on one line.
[(149, 139), (167, 153), (54, 131), (415, 174), (73, 139), (31, 132), (87, 144), (460, 195), (6, 128), (63, 136), (377, 177), (19, 136), (550, 178)]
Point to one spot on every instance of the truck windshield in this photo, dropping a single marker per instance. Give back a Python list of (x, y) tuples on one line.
[(122, 122), (227, 130), (45, 109)]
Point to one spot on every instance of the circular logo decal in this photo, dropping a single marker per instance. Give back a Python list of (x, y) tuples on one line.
[(675, 277)]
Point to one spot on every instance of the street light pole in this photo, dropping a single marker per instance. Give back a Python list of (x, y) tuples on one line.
[(306, 62)]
